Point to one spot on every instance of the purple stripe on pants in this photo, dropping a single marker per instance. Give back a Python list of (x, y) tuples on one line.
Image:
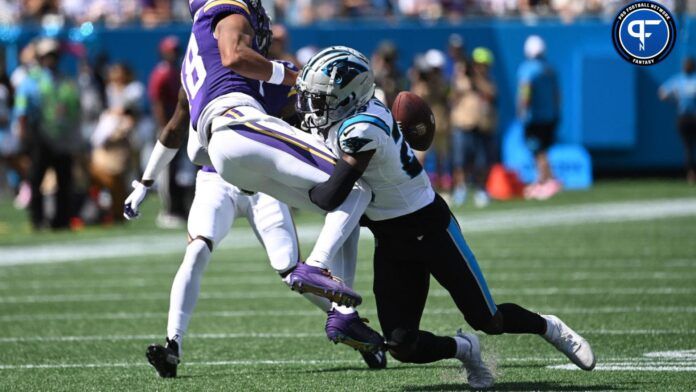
[(257, 125), (285, 146), (208, 169)]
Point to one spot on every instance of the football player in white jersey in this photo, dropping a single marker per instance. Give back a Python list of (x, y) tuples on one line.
[(215, 207), (416, 234), (224, 72)]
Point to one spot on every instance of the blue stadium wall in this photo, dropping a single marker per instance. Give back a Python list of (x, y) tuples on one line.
[(609, 106)]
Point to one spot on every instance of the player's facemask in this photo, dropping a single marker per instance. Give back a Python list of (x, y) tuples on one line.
[(313, 108)]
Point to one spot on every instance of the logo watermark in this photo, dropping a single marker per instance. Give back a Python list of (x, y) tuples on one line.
[(644, 32)]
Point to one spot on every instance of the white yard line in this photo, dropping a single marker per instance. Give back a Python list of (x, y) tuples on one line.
[(525, 218), (248, 362), (243, 362), (65, 316), (265, 294), (612, 364), (281, 335), (634, 367), (272, 280)]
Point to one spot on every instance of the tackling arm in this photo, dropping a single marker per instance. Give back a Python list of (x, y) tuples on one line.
[(334, 191), (234, 35)]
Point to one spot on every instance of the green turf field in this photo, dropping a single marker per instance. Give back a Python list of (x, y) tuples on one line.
[(617, 263)]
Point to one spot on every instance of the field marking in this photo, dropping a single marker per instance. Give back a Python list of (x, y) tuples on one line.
[(286, 335), (632, 367), (164, 270), (248, 294), (63, 316), (239, 238), (246, 362), (680, 354), (273, 280), (656, 361), (200, 363)]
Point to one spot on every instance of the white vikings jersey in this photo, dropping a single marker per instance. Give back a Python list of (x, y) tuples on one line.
[(398, 181)]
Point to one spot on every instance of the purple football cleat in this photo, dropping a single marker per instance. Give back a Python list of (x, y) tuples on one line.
[(350, 329), (318, 281)]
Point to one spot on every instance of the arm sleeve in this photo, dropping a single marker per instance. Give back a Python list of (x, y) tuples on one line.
[(366, 134), (332, 193)]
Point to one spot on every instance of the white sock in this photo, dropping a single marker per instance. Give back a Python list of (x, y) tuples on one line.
[(343, 309), (550, 327), (338, 226), (185, 288), (463, 348), (322, 303)]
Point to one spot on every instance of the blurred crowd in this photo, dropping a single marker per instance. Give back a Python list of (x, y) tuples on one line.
[(81, 138), (298, 12)]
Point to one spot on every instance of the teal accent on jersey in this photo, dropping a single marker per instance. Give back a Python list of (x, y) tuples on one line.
[(363, 118)]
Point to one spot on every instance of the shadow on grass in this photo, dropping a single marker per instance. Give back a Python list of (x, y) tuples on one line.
[(516, 386)]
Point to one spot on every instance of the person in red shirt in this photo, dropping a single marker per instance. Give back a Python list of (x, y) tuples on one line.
[(163, 91)]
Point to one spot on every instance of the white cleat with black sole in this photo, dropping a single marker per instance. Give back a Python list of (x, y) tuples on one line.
[(569, 342), (477, 373)]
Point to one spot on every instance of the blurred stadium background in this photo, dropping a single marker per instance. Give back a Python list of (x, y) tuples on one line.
[(614, 252)]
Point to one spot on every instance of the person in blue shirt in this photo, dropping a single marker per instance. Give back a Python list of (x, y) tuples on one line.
[(538, 106), (47, 109), (681, 88)]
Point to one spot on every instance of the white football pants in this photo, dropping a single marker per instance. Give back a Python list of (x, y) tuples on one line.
[(261, 153)]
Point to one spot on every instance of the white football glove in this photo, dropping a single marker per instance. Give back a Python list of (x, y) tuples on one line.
[(132, 205)]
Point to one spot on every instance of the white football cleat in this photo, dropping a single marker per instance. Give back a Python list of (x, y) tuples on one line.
[(569, 342), (477, 373)]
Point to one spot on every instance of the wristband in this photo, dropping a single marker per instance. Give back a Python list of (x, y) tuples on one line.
[(159, 158), (278, 74)]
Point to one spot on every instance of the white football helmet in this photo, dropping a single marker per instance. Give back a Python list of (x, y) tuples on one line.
[(332, 86)]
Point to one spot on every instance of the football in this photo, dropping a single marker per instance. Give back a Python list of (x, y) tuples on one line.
[(415, 119)]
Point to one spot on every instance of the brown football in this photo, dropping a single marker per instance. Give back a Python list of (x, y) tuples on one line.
[(415, 119)]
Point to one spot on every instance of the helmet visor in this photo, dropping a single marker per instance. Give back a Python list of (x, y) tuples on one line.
[(311, 103)]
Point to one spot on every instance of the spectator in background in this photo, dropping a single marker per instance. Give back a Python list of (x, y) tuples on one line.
[(389, 80), (27, 61), (47, 106), (429, 83), (539, 111), (681, 88), (6, 103), (163, 89), (111, 141), (35, 10), (9, 12), (456, 53), (474, 121), (9, 144), (156, 12), (279, 45)]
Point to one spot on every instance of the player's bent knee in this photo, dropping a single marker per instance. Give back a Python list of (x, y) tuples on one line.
[(207, 241), (402, 344), (490, 326)]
